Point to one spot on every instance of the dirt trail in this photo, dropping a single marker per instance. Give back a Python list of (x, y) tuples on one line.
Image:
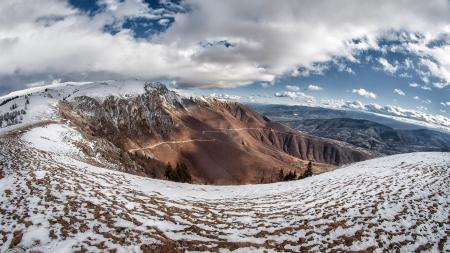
[(170, 142)]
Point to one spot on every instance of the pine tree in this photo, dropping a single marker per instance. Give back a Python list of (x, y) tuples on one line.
[(290, 176), (169, 172), (179, 174), (308, 171)]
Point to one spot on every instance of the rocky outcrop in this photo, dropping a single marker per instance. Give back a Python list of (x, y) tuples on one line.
[(133, 117)]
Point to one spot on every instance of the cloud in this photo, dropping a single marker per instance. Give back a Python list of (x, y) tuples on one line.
[(267, 84), (225, 96), (297, 95), (292, 88), (440, 85), (55, 40), (399, 92), (416, 97), (387, 67), (313, 87), (445, 103), (423, 87), (364, 93), (396, 111)]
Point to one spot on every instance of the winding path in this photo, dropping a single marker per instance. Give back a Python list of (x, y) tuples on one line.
[(169, 142)]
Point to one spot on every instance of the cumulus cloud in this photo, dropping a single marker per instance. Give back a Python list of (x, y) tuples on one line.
[(399, 92), (55, 40), (297, 95), (364, 93), (313, 87), (292, 88), (439, 121), (225, 96), (441, 85), (414, 85), (390, 68)]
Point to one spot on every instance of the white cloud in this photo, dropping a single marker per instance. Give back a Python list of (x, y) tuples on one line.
[(445, 103), (297, 95), (313, 87), (416, 97), (364, 93), (399, 92), (271, 38), (441, 85), (292, 88), (423, 87), (225, 96), (390, 68), (422, 108), (267, 84)]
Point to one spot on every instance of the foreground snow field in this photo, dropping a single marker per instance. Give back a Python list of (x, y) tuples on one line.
[(54, 199)]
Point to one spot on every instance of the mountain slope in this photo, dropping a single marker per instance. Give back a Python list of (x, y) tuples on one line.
[(145, 126), (54, 198), (374, 136)]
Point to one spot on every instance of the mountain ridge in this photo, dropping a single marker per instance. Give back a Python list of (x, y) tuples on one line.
[(221, 142)]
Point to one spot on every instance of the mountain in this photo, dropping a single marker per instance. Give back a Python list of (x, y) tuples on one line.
[(373, 136), (298, 112), (56, 198), (145, 126)]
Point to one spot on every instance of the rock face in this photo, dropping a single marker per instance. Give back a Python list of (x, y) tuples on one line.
[(220, 142), (138, 116), (373, 136)]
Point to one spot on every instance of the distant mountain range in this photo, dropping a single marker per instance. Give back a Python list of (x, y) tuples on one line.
[(380, 135)]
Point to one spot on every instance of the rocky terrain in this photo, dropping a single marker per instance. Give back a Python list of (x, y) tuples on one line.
[(55, 198), (145, 126), (373, 136)]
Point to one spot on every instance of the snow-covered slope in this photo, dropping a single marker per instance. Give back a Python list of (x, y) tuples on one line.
[(38, 104), (53, 199)]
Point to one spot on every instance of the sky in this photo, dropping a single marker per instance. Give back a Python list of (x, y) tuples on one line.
[(377, 55)]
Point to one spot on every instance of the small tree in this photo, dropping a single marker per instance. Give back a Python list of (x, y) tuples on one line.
[(183, 173), (179, 174), (169, 173), (290, 176), (308, 171)]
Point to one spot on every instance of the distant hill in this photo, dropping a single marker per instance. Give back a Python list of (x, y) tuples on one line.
[(299, 112), (374, 136)]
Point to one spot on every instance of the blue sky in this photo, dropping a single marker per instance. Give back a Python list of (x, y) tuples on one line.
[(294, 52)]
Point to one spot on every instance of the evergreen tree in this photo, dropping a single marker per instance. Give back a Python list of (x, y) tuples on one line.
[(308, 171), (179, 174), (290, 176)]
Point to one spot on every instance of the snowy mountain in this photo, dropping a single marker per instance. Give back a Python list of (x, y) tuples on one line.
[(145, 126), (55, 198)]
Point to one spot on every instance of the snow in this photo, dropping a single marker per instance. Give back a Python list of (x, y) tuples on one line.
[(43, 100), (397, 202), (53, 138)]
